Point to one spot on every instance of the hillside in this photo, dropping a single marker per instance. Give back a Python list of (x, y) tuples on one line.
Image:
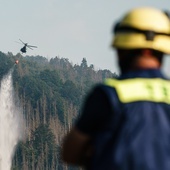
[(50, 93)]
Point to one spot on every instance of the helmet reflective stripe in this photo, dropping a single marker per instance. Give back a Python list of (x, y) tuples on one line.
[(143, 28), (141, 89)]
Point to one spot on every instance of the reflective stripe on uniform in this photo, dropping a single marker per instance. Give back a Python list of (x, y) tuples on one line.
[(141, 89)]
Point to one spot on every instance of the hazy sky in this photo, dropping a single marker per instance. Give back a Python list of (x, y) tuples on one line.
[(73, 29)]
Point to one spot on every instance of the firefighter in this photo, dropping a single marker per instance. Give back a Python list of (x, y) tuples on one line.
[(125, 122)]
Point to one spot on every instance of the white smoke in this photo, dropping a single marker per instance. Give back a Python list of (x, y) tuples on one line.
[(10, 122)]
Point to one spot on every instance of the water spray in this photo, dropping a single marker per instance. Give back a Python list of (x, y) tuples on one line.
[(10, 122)]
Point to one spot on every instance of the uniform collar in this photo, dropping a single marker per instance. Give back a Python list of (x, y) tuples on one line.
[(147, 73)]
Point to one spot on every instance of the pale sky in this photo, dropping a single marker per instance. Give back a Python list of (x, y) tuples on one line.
[(73, 29)]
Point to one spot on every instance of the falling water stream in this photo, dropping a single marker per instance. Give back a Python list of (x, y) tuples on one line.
[(10, 122)]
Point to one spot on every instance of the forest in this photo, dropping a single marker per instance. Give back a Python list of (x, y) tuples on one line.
[(51, 92)]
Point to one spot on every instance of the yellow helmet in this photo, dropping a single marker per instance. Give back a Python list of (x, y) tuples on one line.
[(143, 28)]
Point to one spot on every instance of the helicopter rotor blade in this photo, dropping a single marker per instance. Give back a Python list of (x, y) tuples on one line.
[(29, 47), (22, 41), (18, 42), (32, 46)]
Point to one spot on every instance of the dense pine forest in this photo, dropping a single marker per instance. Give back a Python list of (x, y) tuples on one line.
[(51, 93)]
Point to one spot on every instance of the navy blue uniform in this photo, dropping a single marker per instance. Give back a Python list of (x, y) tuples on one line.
[(129, 122)]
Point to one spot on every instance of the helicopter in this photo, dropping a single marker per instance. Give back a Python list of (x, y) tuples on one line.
[(24, 49)]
